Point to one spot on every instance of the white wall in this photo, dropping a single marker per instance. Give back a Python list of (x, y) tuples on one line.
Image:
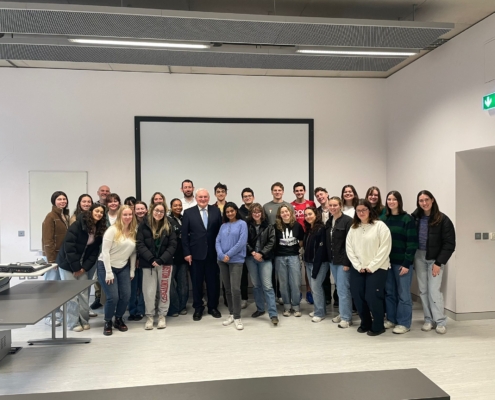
[(84, 120), (434, 110)]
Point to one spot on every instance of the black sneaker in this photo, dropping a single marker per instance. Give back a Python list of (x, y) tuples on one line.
[(132, 317), (274, 320), (257, 314), (96, 304), (119, 324), (138, 317), (107, 330)]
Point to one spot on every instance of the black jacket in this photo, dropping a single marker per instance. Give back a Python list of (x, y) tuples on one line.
[(267, 233), (74, 253), (440, 243), (147, 250), (243, 210), (336, 242), (315, 250), (197, 241), (179, 253)]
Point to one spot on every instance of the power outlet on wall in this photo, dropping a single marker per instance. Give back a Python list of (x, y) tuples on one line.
[(486, 235), (477, 236)]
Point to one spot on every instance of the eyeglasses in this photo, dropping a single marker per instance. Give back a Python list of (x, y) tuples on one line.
[(256, 213), (158, 212), (362, 210)]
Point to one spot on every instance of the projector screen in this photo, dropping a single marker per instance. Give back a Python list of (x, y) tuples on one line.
[(239, 153)]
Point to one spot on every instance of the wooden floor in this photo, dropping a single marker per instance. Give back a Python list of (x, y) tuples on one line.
[(462, 362)]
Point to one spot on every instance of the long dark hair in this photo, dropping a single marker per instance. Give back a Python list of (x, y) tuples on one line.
[(65, 210), (78, 209), (354, 200), (372, 216), (318, 224), (398, 196), (98, 228), (231, 204), (435, 214), (379, 205)]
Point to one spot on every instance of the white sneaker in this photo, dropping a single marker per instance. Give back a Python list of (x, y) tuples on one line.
[(387, 324), (228, 321), (441, 329), (286, 313), (92, 314), (336, 319), (86, 327), (161, 322), (297, 313), (344, 324), (427, 326), (317, 319), (48, 321), (400, 329), (148, 324), (244, 304), (312, 314), (280, 301), (78, 328), (238, 324)]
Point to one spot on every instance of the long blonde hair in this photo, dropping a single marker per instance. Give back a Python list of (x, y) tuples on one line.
[(119, 225), (157, 227)]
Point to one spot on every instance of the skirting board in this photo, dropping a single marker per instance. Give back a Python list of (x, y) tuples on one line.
[(463, 316)]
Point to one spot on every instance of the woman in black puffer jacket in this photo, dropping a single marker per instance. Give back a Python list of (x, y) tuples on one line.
[(436, 236), (156, 244)]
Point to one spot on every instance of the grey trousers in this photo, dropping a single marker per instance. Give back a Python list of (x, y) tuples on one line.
[(157, 280), (231, 278)]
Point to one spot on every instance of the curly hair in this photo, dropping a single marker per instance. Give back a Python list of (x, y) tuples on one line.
[(98, 228)]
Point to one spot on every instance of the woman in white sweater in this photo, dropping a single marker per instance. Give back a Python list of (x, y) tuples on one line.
[(368, 247), (117, 268)]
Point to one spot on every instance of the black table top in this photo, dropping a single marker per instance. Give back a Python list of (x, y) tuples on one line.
[(403, 384), (29, 302)]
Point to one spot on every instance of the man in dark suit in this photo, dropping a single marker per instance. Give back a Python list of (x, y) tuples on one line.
[(200, 226)]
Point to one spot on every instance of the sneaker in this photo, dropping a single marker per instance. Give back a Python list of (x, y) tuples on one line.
[(78, 328), (228, 321), (286, 313), (344, 324), (274, 320), (238, 324), (280, 301), (427, 326), (161, 322), (312, 314), (400, 329), (48, 321), (336, 319), (309, 298), (244, 304), (96, 304), (92, 314), (441, 329), (297, 313), (86, 327), (120, 325), (387, 324), (149, 324), (317, 319), (174, 315), (183, 312), (257, 314), (107, 329), (138, 317)]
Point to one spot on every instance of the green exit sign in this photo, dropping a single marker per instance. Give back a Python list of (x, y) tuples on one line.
[(489, 101)]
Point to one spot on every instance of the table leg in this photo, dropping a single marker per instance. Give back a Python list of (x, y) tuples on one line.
[(54, 325)]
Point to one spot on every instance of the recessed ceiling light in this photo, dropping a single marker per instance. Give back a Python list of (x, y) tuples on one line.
[(137, 43), (358, 52)]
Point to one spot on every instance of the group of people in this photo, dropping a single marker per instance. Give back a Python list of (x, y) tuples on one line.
[(141, 256)]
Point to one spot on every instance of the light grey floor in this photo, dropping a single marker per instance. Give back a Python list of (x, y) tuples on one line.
[(462, 362)]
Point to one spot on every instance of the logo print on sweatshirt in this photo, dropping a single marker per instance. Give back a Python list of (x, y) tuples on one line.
[(287, 238)]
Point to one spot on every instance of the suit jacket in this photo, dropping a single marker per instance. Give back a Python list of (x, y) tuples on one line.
[(197, 241)]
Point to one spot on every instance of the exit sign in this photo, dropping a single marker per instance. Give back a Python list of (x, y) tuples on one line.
[(489, 101)]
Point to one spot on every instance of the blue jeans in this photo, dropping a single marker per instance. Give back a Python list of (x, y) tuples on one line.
[(429, 289), (136, 302), (289, 276), (261, 277), (317, 288), (343, 284), (117, 293), (179, 289), (398, 301)]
